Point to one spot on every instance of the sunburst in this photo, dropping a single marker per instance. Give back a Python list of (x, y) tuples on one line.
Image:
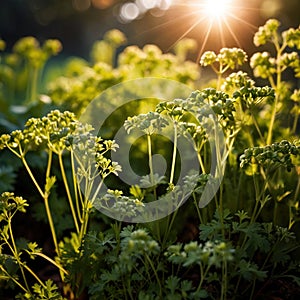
[(214, 21)]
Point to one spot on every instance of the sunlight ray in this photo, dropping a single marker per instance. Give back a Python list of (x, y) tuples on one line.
[(221, 32), (167, 23), (186, 32), (204, 41), (232, 33), (243, 21)]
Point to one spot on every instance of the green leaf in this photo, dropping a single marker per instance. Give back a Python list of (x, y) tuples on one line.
[(50, 181)]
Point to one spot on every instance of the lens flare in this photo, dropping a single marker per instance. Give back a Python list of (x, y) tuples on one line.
[(217, 8)]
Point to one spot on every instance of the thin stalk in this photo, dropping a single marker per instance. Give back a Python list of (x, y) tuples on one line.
[(174, 154), (257, 128), (257, 197), (49, 164), (124, 288), (51, 224), (272, 121), (297, 188), (32, 176), (129, 288), (277, 96), (295, 123), (75, 187), (16, 254), (45, 197), (155, 273), (51, 261), (83, 228), (202, 276), (197, 208), (64, 177), (35, 276), (97, 190), (221, 209), (224, 281), (220, 73), (14, 280), (33, 83), (151, 163), (200, 160), (170, 223), (15, 152), (291, 221)]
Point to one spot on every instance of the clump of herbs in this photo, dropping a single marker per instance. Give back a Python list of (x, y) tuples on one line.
[(234, 247)]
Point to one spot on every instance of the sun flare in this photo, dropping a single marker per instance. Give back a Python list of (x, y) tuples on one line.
[(217, 8)]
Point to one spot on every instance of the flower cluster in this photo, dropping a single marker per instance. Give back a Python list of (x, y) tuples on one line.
[(266, 33), (83, 81), (10, 204), (150, 61), (228, 58), (138, 242), (237, 80), (280, 154), (251, 96), (29, 48), (193, 253), (173, 109), (119, 205), (292, 37), (149, 123), (49, 131), (218, 101), (263, 64)]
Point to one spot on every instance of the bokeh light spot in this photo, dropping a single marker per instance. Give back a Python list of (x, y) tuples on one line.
[(129, 11)]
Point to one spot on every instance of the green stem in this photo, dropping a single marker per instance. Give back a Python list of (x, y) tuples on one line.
[(174, 154), (297, 188), (51, 224), (257, 197), (219, 81), (197, 208), (49, 164), (47, 207), (85, 217), (277, 90), (64, 177), (151, 163), (202, 276), (220, 207), (224, 281), (257, 128), (155, 274), (32, 176), (14, 280), (53, 262), (295, 123), (33, 84), (16, 254), (35, 276), (200, 160), (291, 221), (75, 186)]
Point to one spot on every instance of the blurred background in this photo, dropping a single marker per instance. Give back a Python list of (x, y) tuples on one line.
[(79, 23)]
